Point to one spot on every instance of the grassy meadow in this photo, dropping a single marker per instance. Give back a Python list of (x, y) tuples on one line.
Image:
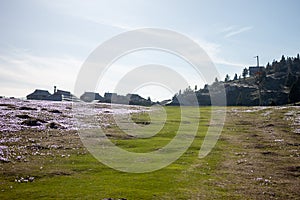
[(256, 157)]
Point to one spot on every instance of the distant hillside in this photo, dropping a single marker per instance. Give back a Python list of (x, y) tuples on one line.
[(276, 84)]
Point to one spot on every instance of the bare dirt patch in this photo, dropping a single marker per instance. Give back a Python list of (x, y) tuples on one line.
[(263, 157)]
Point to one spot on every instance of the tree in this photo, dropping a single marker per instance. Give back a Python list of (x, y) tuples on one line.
[(188, 90), (290, 80), (245, 72), (289, 60), (227, 78), (294, 95), (235, 77), (205, 88), (282, 61), (268, 67)]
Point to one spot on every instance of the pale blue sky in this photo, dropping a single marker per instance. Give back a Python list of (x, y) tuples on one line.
[(44, 43)]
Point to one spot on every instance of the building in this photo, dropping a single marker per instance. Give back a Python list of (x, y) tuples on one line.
[(255, 70), (115, 98), (61, 95), (38, 95), (91, 96), (135, 99), (129, 99), (108, 97), (58, 95)]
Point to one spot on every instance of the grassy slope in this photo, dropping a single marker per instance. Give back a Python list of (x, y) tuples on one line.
[(222, 174)]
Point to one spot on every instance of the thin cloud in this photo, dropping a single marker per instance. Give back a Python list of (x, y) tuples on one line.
[(110, 24), (239, 31), (66, 8), (228, 29), (230, 63), (25, 71), (214, 51)]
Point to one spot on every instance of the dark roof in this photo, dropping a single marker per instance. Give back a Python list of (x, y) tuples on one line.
[(256, 67), (38, 94), (134, 96), (90, 96), (63, 92), (59, 95)]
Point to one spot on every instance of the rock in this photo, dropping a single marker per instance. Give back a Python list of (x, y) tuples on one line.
[(241, 161), (270, 125), (31, 140), (54, 125), (143, 122), (55, 111), (31, 179), (31, 122), (263, 181), (24, 180), (37, 146), (26, 108), (23, 116), (4, 160), (9, 106), (54, 146)]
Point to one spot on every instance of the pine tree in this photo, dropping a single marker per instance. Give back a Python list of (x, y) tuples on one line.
[(235, 77), (245, 72), (290, 80), (294, 95), (268, 67), (282, 61), (227, 78)]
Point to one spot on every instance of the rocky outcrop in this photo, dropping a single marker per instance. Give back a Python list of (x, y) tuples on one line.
[(277, 84)]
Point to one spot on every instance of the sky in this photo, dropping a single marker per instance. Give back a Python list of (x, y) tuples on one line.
[(45, 43)]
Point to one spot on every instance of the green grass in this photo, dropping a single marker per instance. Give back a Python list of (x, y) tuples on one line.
[(217, 176), (83, 177)]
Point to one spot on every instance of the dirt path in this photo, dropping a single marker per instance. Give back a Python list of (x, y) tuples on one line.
[(262, 153)]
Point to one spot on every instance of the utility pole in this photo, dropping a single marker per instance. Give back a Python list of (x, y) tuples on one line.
[(257, 60), (258, 82)]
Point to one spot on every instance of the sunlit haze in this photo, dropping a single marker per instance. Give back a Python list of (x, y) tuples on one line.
[(44, 43)]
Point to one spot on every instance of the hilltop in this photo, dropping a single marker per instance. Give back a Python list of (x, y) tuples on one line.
[(277, 83)]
